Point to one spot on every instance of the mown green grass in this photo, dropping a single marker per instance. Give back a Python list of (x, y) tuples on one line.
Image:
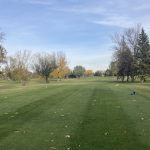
[(78, 114)]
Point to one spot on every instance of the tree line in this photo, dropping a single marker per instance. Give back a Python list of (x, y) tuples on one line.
[(24, 65), (131, 59)]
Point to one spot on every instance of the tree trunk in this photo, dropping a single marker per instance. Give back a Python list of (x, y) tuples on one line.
[(46, 79), (122, 78), (132, 78), (127, 78), (117, 77)]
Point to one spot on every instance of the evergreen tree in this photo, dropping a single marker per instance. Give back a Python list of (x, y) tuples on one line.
[(143, 55)]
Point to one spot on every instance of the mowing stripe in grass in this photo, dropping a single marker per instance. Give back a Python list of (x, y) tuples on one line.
[(29, 111), (137, 110), (105, 125), (12, 101), (86, 115), (72, 101)]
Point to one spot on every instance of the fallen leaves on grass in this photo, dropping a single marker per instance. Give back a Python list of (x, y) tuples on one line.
[(67, 136), (6, 113), (17, 131), (106, 133), (134, 100), (53, 148)]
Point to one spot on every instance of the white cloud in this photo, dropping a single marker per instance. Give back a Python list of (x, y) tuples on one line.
[(116, 20), (112, 13)]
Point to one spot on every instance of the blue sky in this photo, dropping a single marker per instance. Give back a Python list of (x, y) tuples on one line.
[(80, 28)]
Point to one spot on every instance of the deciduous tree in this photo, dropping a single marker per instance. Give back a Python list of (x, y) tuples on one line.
[(98, 73), (125, 53), (62, 69), (78, 71), (17, 66), (88, 73), (45, 64), (2, 49)]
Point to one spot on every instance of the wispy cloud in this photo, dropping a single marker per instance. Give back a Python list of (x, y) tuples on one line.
[(79, 24), (143, 6), (39, 2), (84, 9), (116, 21)]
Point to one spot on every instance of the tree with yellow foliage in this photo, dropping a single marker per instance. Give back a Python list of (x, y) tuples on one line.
[(88, 73), (62, 69), (17, 66), (60, 72)]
